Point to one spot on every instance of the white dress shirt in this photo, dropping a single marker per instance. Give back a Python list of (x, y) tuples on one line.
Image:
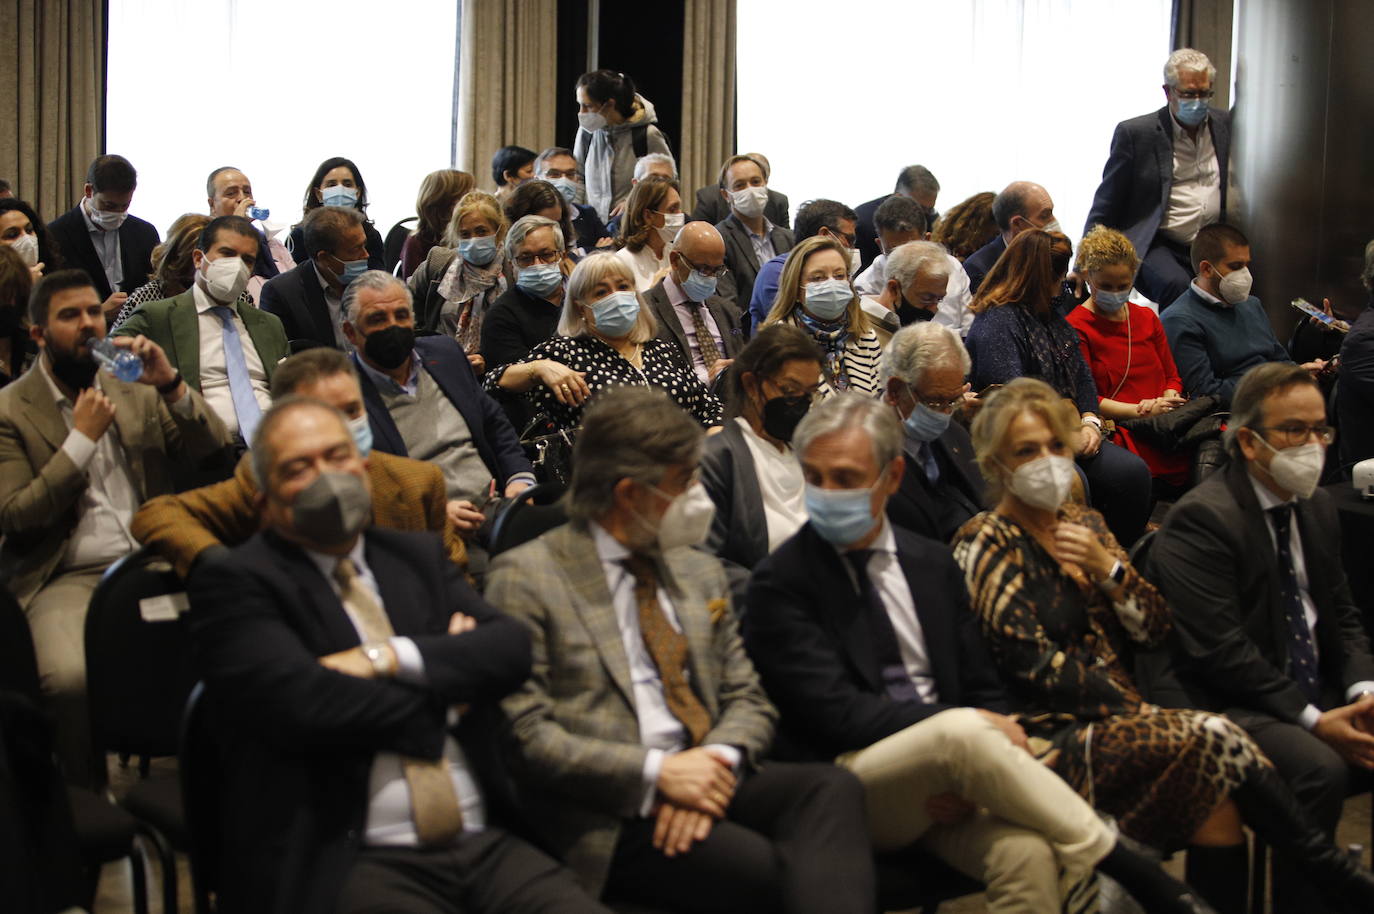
[(335, 305), (953, 312), (659, 729), (643, 265), (1195, 194), (106, 246), (389, 819), (780, 483), (214, 375), (683, 307)]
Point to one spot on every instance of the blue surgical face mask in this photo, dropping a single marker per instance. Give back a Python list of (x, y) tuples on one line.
[(539, 279), (925, 424), (338, 195), (569, 188), (615, 315), (1192, 111), (840, 516), (361, 430), (828, 298), (352, 269), (698, 287), (1110, 302), (478, 251)]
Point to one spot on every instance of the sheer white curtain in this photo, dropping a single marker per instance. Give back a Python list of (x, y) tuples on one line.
[(981, 92), (275, 88)]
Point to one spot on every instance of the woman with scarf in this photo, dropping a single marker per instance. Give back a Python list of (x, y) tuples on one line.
[(615, 130)]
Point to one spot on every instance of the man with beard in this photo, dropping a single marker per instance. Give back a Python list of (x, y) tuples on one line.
[(79, 452)]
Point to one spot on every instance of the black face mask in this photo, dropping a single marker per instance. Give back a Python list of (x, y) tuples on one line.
[(75, 371), (388, 348), (781, 415), (908, 313)]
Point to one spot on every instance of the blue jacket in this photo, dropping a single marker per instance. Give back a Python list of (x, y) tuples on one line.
[(1214, 345)]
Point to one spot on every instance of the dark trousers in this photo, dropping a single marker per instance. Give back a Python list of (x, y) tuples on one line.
[(1320, 778), (487, 873), (1119, 487), (1165, 272), (795, 841)]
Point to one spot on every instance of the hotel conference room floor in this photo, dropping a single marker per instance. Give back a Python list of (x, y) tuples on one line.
[(114, 896)]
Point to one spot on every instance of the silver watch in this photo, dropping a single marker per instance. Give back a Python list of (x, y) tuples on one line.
[(375, 652)]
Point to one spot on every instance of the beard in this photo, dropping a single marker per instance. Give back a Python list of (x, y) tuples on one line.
[(74, 367)]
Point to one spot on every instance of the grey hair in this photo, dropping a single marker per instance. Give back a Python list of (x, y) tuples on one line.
[(907, 260), (1367, 274), (915, 348), (1187, 59), (552, 152), (1256, 386), (517, 233), (628, 433), (589, 271), (375, 280), (654, 158), (845, 410), (280, 411), (916, 179)]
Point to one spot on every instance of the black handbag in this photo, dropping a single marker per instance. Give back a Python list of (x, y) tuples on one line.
[(1174, 430)]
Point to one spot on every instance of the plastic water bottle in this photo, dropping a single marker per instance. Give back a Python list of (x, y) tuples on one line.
[(120, 362), (258, 213)]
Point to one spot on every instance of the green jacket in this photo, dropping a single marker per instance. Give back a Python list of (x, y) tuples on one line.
[(173, 324)]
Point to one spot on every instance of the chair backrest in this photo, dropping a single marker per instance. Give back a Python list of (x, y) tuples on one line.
[(18, 663), (138, 657), (199, 769), (537, 510), (395, 240)]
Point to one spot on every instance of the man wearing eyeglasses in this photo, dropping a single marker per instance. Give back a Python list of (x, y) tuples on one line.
[(1165, 177), (1250, 560), (704, 326)]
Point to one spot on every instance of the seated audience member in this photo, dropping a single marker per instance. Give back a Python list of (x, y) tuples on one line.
[(606, 338), (1217, 330), (710, 206), (1063, 611), (1020, 207), (616, 128), (224, 351), (540, 198), (923, 369), (690, 315), (653, 217), (655, 163), (915, 183), (22, 230), (80, 449), (1268, 633), (966, 226), (751, 238), (826, 218), (456, 285), (638, 743), (917, 279), (511, 166), (336, 655), (862, 634), (307, 297), (748, 469), (174, 267), (1018, 332), (558, 166), (17, 348), (1355, 401), (900, 220), (526, 314), (229, 193), (1126, 350), (99, 235), (439, 193), (407, 494), (337, 182), (424, 402), (815, 294)]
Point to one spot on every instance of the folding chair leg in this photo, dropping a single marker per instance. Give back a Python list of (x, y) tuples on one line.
[(167, 863), (1259, 874), (138, 878)]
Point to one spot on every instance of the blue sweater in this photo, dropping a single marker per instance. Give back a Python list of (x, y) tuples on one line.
[(1214, 345)]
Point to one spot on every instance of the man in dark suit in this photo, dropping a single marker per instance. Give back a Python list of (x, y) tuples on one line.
[(914, 181), (1355, 402), (1021, 205), (924, 366), (307, 298), (1165, 176), (1267, 630), (751, 238), (711, 207), (423, 401), (863, 635), (230, 193), (558, 166), (99, 236), (350, 673), (687, 308)]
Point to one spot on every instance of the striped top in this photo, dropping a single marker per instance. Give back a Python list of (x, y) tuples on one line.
[(860, 362)]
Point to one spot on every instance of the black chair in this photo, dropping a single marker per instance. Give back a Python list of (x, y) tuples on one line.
[(395, 240), (537, 510), (199, 767)]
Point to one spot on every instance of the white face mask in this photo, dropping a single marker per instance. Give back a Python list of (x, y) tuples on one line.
[(1052, 226), (1043, 483), (688, 518), (855, 261), (103, 220), (1297, 469), (225, 278), (591, 121), (749, 201), (1235, 286), (672, 224), (26, 246)]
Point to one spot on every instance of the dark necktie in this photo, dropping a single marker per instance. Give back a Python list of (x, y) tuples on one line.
[(705, 342), (1300, 648), (668, 648), (896, 681)]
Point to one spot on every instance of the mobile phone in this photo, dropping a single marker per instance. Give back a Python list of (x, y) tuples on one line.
[(1311, 310)]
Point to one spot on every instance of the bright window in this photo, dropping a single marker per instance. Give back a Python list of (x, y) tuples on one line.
[(982, 92), (274, 88)]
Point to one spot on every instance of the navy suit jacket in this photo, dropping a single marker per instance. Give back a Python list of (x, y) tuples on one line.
[(937, 511), (807, 631), (1139, 173), (297, 298), (492, 434), (977, 264), (136, 242), (866, 231)]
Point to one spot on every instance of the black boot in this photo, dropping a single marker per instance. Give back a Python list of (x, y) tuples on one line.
[(1220, 874), (1270, 808), (1155, 890)]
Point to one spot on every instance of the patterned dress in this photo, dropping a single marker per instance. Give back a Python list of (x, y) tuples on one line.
[(1063, 649)]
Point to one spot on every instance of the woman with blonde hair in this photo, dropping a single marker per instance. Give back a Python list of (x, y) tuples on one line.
[(653, 217), (439, 192), (815, 294), (606, 338)]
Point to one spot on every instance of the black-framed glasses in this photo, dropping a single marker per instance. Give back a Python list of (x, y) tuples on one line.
[(713, 272), (1193, 94), (1296, 435), (528, 260)]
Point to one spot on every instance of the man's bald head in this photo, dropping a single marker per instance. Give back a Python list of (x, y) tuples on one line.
[(1022, 205), (698, 247)]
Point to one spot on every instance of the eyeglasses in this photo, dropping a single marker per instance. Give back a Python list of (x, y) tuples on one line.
[(1295, 435), (1192, 94), (940, 406), (929, 301), (528, 260), (712, 272)]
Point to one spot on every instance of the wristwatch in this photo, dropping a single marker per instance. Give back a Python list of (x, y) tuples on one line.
[(376, 653), (1115, 577)]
